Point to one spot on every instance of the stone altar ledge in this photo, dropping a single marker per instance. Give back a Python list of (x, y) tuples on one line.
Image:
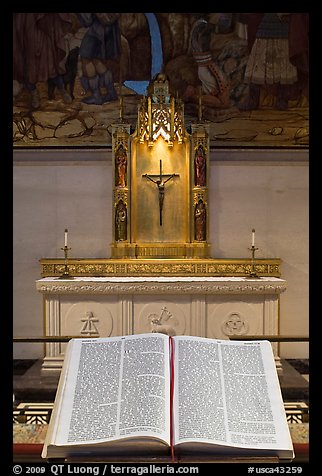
[(162, 284)]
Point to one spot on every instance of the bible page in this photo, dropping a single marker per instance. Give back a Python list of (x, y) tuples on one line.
[(227, 393), (115, 388)]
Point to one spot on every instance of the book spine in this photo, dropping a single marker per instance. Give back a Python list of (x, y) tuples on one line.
[(171, 352)]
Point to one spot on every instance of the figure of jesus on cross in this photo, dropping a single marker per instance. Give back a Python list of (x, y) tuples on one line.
[(160, 183)]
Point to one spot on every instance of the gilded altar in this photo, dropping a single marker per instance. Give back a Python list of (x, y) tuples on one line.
[(160, 277)]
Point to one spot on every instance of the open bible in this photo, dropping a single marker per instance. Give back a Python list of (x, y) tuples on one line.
[(151, 394)]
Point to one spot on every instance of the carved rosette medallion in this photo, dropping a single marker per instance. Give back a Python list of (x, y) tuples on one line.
[(234, 325)]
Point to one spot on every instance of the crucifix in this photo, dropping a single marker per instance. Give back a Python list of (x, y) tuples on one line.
[(160, 183)]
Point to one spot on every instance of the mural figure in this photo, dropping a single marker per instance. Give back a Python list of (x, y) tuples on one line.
[(101, 42), (215, 84), (121, 165), (200, 167), (278, 58), (39, 50), (121, 222), (68, 78), (200, 221)]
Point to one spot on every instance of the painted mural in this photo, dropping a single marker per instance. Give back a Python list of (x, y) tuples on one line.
[(76, 74)]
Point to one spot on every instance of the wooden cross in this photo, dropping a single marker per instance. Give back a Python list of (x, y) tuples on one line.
[(160, 183)]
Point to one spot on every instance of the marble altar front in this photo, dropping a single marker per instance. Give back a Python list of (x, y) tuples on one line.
[(216, 307)]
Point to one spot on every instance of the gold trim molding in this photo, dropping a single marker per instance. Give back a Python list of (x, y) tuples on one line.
[(160, 267)]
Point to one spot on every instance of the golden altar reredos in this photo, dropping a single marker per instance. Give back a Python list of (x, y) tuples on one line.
[(160, 182)]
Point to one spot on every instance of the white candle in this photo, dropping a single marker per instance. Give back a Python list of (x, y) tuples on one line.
[(253, 237), (66, 231)]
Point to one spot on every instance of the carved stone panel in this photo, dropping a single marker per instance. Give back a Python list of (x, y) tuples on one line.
[(88, 318), (165, 316), (231, 317)]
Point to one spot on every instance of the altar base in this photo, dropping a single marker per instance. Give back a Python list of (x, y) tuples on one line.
[(215, 307)]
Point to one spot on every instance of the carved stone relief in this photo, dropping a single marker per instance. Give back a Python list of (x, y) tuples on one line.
[(89, 327), (162, 316), (87, 319), (234, 324), (235, 318), (163, 322)]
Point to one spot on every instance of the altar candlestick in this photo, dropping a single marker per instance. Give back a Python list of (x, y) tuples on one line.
[(253, 237), (253, 273), (65, 249)]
